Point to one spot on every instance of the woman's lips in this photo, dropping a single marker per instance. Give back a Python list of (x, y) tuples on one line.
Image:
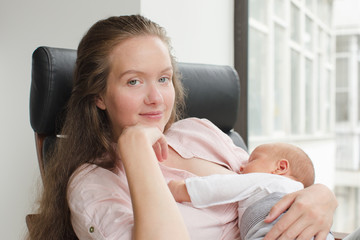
[(152, 115)]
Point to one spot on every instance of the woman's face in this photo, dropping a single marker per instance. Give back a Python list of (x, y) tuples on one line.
[(139, 87)]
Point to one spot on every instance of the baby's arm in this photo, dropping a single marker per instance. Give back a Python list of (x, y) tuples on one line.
[(210, 190), (228, 188), (179, 191)]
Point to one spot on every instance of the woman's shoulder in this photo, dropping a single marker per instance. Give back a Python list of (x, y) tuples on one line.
[(194, 137), (187, 133), (193, 122), (87, 170), (191, 126), (89, 175)]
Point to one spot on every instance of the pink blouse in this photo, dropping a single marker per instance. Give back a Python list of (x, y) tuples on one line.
[(100, 202)]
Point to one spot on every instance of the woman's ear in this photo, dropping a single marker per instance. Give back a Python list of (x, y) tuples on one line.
[(282, 167), (100, 103)]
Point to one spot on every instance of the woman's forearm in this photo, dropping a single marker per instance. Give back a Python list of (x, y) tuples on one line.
[(156, 215)]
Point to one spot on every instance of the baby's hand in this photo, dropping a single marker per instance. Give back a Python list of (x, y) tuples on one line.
[(179, 191)]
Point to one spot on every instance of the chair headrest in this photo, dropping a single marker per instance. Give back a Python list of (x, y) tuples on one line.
[(51, 84), (212, 91)]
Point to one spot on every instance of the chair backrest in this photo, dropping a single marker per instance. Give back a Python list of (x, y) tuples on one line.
[(213, 92)]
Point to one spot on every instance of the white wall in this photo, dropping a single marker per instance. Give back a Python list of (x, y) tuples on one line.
[(202, 31), (25, 25)]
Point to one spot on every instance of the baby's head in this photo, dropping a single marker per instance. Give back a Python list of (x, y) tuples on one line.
[(281, 159)]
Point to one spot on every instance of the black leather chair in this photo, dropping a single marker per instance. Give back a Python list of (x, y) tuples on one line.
[(212, 92)]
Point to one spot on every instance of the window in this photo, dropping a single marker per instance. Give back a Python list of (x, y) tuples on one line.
[(295, 93), (310, 4), (295, 23), (279, 113), (358, 90), (309, 99), (342, 44), (290, 69), (257, 80), (308, 35), (279, 8), (347, 130), (258, 13), (342, 84)]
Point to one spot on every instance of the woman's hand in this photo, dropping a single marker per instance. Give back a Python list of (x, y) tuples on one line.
[(153, 135), (310, 213)]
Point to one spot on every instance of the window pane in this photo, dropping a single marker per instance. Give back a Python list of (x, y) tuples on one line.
[(279, 77), (327, 101), (309, 104), (308, 36), (342, 43), (295, 23), (328, 48), (347, 214), (257, 57), (327, 14), (295, 92), (258, 10), (279, 8), (344, 151), (342, 80), (342, 104), (324, 11), (310, 5), (358, 96), (320, 39), (319, 90)]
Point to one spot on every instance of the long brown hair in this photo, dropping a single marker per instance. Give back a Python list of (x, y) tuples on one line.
[(88, 137)]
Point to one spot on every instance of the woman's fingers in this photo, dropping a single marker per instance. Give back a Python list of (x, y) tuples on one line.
[(157, 150), (321, 235), (310, 214), (164, 148), (282, 230), (159, 143), (294, 224), (280, 207), (161, 149)]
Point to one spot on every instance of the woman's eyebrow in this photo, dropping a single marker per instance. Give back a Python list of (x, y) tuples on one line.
[(133, 71)]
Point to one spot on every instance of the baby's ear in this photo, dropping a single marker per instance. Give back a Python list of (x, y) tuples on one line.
[(283, 167)]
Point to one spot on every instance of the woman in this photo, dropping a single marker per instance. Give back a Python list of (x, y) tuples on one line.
[(106, 181)]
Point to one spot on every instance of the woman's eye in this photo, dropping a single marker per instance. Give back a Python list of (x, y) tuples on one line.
[(133, 82), (163, 79)]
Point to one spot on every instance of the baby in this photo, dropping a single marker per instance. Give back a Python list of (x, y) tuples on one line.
[(272, 171)]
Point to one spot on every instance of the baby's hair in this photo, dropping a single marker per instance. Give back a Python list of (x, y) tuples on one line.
[(301, 166)]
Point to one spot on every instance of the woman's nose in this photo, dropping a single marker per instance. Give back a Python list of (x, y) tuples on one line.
[(154, 95)]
